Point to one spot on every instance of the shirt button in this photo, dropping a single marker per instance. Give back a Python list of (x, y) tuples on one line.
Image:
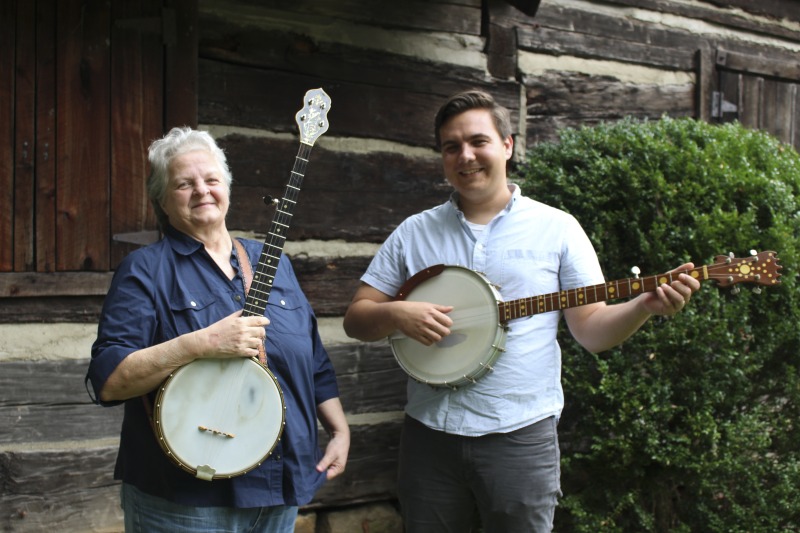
[(193, 304), (283, 302), (237, 298)]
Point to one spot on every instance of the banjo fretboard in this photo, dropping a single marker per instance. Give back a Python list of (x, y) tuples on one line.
[(312, 122), (761, 269)]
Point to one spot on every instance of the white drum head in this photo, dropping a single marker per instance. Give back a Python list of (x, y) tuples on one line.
[(463, 355), (224, 414)]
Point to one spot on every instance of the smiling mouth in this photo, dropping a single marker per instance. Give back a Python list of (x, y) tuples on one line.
[(470, 171)]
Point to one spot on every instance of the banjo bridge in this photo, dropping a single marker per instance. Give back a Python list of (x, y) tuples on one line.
[(216, 432)]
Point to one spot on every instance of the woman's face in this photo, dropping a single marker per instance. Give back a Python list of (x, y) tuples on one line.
[(197, 197)]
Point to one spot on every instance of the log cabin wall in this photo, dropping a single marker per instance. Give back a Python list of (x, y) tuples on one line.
[(387, 67)]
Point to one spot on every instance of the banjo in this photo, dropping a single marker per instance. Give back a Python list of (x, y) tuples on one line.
[(480, 317), (221, 418)]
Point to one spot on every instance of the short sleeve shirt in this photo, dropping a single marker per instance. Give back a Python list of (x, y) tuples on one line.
[(528, 249)]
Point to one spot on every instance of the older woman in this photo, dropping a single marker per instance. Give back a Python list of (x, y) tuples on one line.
[(180, 300)]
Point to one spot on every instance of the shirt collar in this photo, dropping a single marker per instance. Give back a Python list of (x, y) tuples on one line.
[(516, 193), (180, 242)]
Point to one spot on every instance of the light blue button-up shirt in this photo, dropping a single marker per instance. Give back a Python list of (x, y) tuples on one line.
[(528, 249)]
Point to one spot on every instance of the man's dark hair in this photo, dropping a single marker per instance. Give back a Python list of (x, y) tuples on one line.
[(472, 99)]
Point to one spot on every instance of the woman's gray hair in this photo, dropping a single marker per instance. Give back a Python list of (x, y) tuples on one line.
[(161, 153)]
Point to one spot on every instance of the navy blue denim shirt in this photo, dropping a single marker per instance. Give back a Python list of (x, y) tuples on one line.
[(174, 287)]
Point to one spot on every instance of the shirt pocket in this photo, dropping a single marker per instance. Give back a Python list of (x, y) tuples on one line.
[(191, 311), (287, 313), (528, 273)]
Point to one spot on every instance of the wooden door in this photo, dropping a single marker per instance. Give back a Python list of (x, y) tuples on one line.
[(85, 86)]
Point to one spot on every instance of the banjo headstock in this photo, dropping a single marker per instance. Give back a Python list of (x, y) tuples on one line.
[(760, 269), (312, 120)]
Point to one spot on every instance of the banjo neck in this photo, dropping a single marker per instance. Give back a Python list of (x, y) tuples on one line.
[(312, 122), (760, 268), (623, 288)]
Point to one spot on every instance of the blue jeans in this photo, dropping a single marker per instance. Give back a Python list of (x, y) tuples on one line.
[(511, 479), (149, 514)]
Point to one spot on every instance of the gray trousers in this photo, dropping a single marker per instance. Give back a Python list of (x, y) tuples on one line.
[(512, 480)]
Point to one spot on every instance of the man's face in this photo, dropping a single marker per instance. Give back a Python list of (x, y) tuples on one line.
[(474, 155)]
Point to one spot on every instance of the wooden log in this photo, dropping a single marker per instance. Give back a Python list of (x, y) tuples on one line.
[(600, 97), (727, 17), (607, 48), (234, 94), (328, 282), (421, 15), (369, 381), (344, 196), (75, 489), (76, 510), (84, 309)]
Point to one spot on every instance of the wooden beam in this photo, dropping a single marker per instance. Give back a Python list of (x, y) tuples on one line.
[(31, 284)]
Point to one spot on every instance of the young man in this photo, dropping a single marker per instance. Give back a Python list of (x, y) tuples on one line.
[(491, 446)]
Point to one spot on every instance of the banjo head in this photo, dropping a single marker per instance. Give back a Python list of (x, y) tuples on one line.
[(219, 418), (476, 339)]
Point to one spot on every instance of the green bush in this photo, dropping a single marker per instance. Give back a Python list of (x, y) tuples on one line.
[(692, 424)]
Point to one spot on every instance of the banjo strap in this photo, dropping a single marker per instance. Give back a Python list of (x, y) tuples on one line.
[(247, 278)]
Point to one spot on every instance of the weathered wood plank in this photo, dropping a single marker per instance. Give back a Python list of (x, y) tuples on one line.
[(609, 48), (603, 97), (371, 111), (501, 42), (181, 62), (8, 18), (730, 18), (25, 138), (46, 97), (415, 15), (340, 190), (83, 136), (330, 62), (369, 381), (777, 9), (567, 100), (329, 283), (757, 65), (75, 489), (56, 283), (79, 309), (137, 80), (566, 20), (76, 510)]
